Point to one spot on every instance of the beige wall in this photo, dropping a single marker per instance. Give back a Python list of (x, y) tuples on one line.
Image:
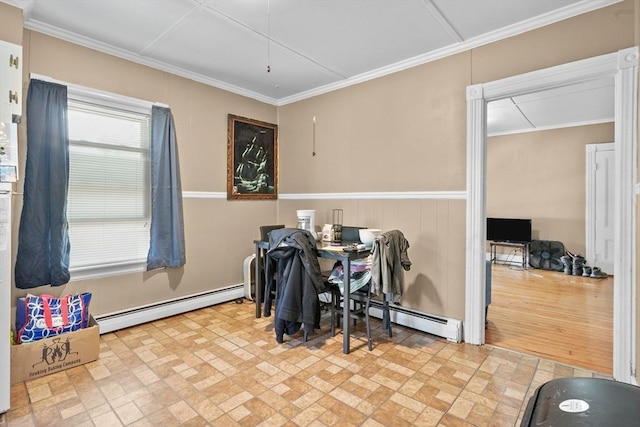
[(407, 132), (216, 235), (403, 132), (542, 176)]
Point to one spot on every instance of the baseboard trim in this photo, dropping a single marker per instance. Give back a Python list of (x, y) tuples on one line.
[(137, 316)]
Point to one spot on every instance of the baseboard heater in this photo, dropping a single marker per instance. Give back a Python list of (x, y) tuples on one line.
[(451, 329), (137, 316)]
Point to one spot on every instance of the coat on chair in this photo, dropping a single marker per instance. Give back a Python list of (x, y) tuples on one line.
[(390, 260), (293, 260)]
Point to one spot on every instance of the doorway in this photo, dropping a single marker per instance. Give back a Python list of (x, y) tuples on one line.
[(539, 311), (600, 201), (623, 66)]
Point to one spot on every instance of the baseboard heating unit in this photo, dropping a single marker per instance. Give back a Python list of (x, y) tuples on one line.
[(140, 315), (451, 329)]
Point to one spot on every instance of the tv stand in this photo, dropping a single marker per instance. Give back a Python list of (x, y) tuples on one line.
[(523, 246)]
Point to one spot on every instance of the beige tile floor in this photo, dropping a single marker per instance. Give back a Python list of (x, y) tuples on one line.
[(220, 366)]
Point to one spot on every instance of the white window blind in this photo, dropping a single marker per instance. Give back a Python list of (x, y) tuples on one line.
[(108, 205)]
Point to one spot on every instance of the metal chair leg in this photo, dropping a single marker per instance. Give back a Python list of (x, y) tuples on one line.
[(368, 322)]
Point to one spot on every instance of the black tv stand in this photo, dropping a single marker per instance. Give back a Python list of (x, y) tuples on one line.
[(523, 246)]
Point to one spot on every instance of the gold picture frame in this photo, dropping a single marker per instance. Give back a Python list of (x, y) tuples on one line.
[(252, 159)]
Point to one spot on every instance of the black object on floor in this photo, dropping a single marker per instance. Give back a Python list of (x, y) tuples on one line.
[(576, 401)]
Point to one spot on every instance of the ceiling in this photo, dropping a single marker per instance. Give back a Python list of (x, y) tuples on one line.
[(281, 51), (583, 103)]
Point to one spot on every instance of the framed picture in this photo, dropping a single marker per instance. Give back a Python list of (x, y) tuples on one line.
[(252, 159)]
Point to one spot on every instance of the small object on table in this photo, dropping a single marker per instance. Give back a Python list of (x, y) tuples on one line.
[(355, 247)]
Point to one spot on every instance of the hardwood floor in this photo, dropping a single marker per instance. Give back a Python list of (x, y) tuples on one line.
[(568, 319)]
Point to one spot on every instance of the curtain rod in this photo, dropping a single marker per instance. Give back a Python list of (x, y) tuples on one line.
[(99, 93)]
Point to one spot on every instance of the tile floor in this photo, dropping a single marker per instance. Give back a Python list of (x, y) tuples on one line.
[(220, 366)]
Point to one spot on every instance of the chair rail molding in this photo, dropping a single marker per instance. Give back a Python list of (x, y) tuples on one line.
[(376, 195)]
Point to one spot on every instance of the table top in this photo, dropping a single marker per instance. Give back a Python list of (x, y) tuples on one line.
[(327, 250)]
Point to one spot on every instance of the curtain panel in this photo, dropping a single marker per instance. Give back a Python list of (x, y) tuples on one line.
[(167, 248), (43, 236)]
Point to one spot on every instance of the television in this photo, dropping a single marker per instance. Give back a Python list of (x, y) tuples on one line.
[(516, 230)]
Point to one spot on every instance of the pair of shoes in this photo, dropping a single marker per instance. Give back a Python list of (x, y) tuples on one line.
[(578, 262), (566, 262), (596, 273)]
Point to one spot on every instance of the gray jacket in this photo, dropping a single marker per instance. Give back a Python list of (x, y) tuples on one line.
[(390, 260)]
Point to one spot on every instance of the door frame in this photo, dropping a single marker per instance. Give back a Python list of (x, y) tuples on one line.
[(590, 196), (623, 67)]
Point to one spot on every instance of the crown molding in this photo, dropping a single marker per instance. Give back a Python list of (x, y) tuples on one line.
[(461, 46), (56, 32)]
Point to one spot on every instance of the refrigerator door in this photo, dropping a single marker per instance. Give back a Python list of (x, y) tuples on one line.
[(5, 297)]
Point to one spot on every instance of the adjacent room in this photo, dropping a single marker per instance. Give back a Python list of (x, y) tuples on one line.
[(169, 133)]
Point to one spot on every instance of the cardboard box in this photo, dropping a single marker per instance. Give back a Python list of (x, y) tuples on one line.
[(43, 357)]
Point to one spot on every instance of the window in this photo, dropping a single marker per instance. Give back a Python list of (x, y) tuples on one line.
[(108, 204)]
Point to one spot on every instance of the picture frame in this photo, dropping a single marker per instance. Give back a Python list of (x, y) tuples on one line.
[(252, 159)]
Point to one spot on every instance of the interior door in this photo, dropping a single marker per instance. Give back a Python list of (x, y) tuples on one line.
[(600, 206)]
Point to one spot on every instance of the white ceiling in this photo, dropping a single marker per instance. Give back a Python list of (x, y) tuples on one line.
[(281, 51), (583, 103)]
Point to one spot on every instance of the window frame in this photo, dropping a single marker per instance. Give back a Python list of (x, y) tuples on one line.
[(121, 102)]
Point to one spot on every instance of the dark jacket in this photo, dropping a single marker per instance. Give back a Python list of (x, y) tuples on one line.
[(292, 259)]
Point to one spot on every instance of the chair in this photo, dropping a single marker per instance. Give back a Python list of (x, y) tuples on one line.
[(264, 236), (266, 229), (362, 299), (361, 306), (395, 247)]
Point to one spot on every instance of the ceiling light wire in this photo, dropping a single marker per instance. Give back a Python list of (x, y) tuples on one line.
[(268, 36)]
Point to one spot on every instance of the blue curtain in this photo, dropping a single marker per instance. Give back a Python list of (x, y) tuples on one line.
[(167, 224), (43, 237)]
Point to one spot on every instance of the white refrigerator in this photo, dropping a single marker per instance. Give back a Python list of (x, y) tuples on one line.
[(5, 297), (10, 115)]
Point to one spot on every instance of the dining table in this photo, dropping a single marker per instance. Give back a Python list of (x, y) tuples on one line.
[(324, 250)]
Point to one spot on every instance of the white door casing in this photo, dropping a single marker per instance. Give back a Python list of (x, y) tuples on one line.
[(600, 194), (623, 66)]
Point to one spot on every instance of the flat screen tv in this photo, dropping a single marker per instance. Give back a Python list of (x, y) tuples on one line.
[(516, 230)]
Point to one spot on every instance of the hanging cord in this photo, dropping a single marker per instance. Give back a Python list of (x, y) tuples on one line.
[(268, 36)]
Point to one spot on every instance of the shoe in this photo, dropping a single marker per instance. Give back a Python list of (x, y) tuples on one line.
[(586, 271), (566, 262), (576, 259), (596, 273), (577, 271)]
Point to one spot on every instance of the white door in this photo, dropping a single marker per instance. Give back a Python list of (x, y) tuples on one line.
[(600, 204)]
